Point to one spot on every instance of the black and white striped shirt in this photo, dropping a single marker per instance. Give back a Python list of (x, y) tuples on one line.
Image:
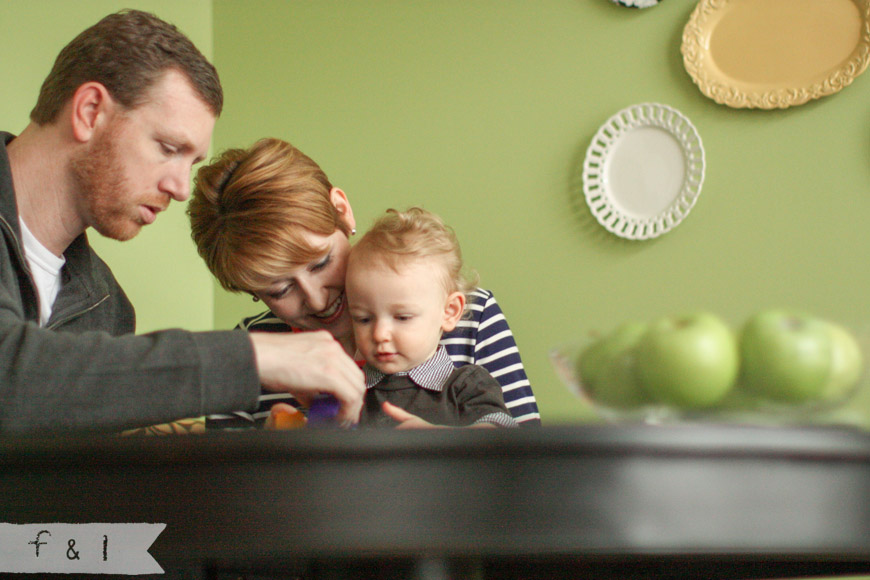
[(482, 337)]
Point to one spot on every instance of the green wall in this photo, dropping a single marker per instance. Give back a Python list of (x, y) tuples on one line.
[(482, 112), (160, 269)]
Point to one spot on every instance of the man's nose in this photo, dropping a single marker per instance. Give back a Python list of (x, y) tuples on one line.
[(177, 185)]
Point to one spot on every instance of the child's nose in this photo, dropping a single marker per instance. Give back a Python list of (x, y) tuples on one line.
[(381, 331)]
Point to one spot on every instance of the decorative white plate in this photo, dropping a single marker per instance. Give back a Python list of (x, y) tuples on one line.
[(643, 171), (775, 53), (636, 3)]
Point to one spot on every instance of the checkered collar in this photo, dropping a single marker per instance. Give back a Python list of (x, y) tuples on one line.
[(429, 375)]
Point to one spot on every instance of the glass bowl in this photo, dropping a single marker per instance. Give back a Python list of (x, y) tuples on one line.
[(851, 408)]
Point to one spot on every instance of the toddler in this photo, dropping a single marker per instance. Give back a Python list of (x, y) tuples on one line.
[(405, 287)]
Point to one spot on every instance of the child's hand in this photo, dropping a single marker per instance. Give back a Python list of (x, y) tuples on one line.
[(283, 416), (406, 420)]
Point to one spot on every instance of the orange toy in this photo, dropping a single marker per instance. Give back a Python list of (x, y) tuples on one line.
[(287, 418)]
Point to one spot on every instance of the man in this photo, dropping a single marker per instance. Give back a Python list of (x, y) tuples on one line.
[(125, 113)]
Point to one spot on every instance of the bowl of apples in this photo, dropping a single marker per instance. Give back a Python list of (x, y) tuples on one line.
[(778, 367)]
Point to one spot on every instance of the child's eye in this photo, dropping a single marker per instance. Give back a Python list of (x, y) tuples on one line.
[(404, 317), (361, 319)]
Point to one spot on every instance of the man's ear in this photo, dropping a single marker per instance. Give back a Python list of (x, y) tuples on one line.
[(89, 106), (341, 203), (453, 309)]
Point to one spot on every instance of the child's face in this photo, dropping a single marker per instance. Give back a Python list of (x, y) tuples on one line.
[(398, 318)]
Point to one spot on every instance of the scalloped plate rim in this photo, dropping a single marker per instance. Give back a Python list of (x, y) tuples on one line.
[(646, 4), (737, 93), (601, 200)]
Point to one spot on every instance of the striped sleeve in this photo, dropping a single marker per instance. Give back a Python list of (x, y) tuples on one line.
[(241, 420), (484, 338)]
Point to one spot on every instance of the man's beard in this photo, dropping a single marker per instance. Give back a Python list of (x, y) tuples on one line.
[(99, 179)]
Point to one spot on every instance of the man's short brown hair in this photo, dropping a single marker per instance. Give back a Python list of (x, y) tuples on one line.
[(127, 52)]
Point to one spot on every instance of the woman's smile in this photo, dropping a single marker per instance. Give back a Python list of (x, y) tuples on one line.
[(332, 312)]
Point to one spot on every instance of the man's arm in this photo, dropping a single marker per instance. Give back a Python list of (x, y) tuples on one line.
[(59, 380)]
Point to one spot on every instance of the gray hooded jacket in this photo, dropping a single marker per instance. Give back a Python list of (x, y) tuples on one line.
[(87, 369)]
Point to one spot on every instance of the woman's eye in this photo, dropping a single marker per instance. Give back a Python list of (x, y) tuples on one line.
[(322, 264), (167, 148), (278, 294)]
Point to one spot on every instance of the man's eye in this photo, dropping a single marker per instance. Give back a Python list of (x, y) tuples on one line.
[(167, 149)]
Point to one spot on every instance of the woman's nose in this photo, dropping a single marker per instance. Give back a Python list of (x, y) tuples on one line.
[(316, 296)]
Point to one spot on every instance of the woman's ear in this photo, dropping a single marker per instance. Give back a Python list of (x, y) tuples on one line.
[(89, 106), (453, 309), (341, 203)]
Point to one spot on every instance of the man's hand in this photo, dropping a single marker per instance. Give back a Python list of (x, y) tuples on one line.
[(307, 364)]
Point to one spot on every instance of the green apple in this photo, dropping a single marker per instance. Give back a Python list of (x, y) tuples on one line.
[(847, 363), (688, 361), (598, 355), (785, 355), (606, 367), (618, 386)]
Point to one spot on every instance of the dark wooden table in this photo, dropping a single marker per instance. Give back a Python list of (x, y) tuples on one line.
[(702, 501)]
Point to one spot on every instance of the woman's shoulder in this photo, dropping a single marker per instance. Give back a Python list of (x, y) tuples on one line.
[(480, 303), (480, 310), (480, 296), (264, 322)]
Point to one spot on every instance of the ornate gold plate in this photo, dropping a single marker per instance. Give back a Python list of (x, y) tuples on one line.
[(770, 54)]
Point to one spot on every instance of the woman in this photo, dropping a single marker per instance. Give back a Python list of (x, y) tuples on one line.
[(268, 222)]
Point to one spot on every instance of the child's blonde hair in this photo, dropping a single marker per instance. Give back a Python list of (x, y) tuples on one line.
[(397, 237)]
